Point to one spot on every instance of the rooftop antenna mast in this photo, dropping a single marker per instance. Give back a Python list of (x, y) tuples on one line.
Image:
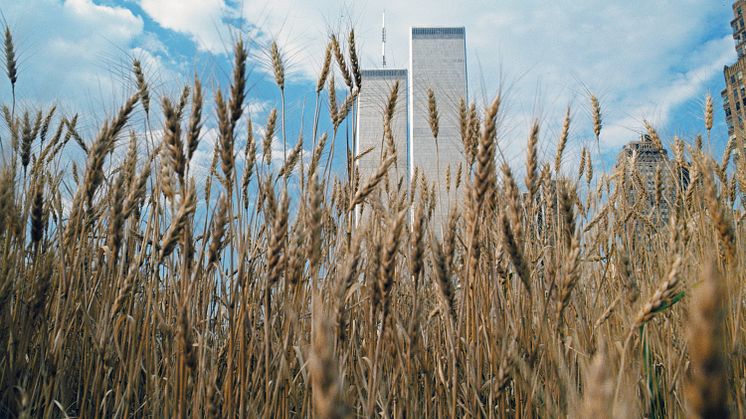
[(383, 38)]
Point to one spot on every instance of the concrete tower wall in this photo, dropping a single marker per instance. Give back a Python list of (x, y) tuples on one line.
[(437, 62), (372, 103)]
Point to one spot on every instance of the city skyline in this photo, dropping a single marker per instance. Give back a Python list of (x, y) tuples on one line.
[(540, 73), (438, 66)]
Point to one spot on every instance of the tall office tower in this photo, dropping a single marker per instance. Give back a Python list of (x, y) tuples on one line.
[(372, 103), (734, 94), (437, 61), (647, 169)]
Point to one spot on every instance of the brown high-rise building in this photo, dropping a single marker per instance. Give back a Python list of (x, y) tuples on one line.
[(734, 94)]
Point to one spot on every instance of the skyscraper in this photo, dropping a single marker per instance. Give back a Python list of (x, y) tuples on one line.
[(437, 61), (734, 94), (650, 181), (372, 103)]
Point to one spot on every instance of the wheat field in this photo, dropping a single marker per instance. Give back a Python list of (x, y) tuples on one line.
[(128, 288)]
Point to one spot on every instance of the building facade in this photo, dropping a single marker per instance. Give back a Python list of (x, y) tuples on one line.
[(437, 61), (373, 101), (644, 163), (734, 94)]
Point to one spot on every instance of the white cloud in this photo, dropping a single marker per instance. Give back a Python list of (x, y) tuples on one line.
[(256, 107), (200, 19), (119, 23), (679, 88), (77, 54), (301, 29), (68, 58)]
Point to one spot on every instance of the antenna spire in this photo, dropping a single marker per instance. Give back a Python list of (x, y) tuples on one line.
[(383, 38)]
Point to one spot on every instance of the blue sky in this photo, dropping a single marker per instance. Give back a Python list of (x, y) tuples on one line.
[(651, 60)]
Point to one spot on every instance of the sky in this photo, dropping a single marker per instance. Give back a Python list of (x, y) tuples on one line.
[(645, 60)]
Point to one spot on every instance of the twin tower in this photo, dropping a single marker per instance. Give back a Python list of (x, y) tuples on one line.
[(437, 62)]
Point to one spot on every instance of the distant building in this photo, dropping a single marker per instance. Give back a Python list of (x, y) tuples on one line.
[(734, 94), (643, 159), (372, 103), (437, 61)]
